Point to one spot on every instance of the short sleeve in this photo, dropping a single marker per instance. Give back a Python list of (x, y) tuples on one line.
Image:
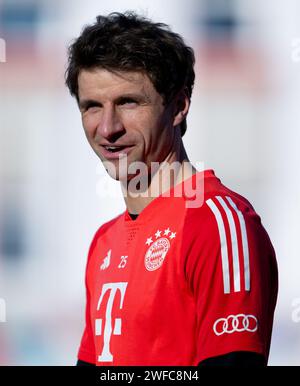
[(231, 271), (86, 350)]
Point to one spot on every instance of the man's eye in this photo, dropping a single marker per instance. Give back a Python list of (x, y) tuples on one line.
[(127, 101), (91, 106)]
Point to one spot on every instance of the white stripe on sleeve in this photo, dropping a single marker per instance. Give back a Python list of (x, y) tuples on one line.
[(234, 243), (223, 241), (244, 243)]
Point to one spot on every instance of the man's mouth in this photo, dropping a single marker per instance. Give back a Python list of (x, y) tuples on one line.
[(114, 149), (114, 152)]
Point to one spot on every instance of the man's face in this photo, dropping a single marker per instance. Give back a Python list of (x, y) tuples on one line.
[(122, 113)]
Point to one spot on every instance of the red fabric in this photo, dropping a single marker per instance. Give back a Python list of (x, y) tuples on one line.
[(160, 304)]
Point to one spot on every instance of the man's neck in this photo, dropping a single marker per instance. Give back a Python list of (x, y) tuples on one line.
[(160, 180)]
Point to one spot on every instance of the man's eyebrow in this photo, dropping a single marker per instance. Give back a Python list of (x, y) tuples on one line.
[(83, 104), (137, 96)]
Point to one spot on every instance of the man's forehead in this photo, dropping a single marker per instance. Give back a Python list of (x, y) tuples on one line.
[(101, 80)]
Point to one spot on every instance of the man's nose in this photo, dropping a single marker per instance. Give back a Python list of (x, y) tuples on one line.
[(110, 124)]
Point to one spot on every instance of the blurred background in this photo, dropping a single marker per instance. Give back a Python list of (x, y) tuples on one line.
[(244, 123)]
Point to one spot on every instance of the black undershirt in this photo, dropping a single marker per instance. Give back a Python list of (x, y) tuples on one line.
[(133, 216), (233, 359)]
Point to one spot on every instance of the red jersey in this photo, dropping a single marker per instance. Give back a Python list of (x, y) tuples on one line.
[(180, 284)]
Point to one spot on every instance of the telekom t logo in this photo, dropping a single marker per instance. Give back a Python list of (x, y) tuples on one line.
[(105, 328)]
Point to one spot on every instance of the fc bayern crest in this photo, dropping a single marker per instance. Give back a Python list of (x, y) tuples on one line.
[(156, 253)]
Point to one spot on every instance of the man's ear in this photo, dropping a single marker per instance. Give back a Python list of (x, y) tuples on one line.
[(181, 107)]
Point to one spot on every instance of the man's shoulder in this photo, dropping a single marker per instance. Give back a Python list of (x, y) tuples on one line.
[(221, 206), (209, 187), (222, 197), (226, 224), (110, 224), (104, 228)]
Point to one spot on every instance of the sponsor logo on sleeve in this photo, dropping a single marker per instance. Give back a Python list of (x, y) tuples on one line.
[(235, 323)]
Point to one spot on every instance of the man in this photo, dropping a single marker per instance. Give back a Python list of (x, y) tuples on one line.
[(187, 274)]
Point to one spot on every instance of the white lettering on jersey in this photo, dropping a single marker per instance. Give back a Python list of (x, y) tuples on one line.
[(106, 261), (123, 262), (107, 331), (230, 208)]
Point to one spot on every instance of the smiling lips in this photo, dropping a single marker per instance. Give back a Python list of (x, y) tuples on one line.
[(113, 152)]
